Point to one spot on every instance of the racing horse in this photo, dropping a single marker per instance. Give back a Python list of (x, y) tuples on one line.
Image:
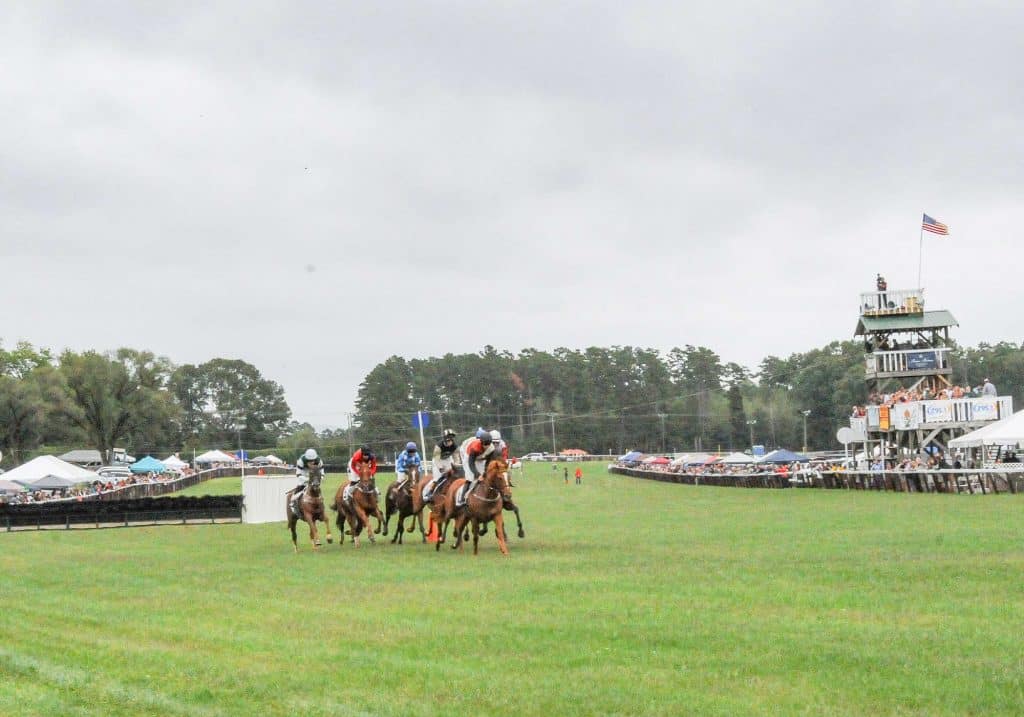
[(310, 508), (399, 499), (483, 504), (436, 501), (360, 506)]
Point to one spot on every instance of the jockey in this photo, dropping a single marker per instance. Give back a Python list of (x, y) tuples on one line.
[(306, 461), (477, 453), (363, 455), (446, 457), (406, 460), (500, 447)]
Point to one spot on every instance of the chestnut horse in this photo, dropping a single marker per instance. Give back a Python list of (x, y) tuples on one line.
[(359, 508), (399, 499), (310, 509), (483, 504)]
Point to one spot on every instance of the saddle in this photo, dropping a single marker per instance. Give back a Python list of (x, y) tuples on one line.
[(462, 495), (429, 493)]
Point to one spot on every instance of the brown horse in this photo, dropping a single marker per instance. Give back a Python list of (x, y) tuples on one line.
[(483, 504), (399, 499), (359, 508), (436, 502), (310, 509)]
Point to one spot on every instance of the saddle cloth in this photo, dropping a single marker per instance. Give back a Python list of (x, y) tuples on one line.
[(347, 495)]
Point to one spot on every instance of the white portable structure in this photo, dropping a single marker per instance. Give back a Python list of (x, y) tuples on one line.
[(264, 498)]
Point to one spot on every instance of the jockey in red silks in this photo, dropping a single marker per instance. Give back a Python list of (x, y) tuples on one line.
[(363, 455)]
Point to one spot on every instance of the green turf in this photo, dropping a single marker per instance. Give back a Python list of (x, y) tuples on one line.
[(626, 597)]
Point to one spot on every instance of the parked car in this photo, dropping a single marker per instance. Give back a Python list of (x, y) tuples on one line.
[(533, 457), (114, 472)]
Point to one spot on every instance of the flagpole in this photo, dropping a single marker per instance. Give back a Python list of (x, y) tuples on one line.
[(920, 249)]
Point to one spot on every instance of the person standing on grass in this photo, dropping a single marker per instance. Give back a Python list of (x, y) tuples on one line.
[(579, 475), (566, 472)]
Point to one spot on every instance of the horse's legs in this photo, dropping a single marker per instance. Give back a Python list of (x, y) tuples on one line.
[(327, 526), (460, 527), (291, 526), (476, 536), (314, 537), (519, 523), (389, 509), (341, 527), (364, 521), (499, 531)]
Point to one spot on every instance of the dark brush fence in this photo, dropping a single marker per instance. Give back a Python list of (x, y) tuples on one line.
[(115, 513), (992, 480)]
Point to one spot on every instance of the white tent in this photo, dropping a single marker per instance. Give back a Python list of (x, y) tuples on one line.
[(174, 463), (738, 459), (274, 460), (216, 457), (1007, 432), (49, 466)]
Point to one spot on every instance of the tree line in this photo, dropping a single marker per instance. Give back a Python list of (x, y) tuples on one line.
[(134, 399), (608, 400), (603, 400)]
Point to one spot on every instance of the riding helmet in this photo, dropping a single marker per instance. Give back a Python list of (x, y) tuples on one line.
[(411, 447)]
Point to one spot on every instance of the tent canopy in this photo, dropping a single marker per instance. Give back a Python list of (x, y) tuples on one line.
[(657, 460), (51, 483), (216, 457), (783, 456), (735, 459), (631, 457), (1007, 432), (7, 486), (173, 462), (49, 466), (149, 464)]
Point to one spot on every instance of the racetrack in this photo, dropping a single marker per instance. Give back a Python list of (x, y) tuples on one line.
[(626, 597)]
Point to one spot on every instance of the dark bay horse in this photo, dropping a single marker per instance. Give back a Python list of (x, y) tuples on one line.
[(310, 509), (483, 504), (399, 499), (359, 508)]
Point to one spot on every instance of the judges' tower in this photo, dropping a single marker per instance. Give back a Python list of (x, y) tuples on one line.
[(906, 346)]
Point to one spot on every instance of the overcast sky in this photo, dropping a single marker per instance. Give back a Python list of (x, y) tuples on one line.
[(313, 188)]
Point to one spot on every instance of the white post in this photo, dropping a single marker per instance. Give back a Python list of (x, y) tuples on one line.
[(423, 444)]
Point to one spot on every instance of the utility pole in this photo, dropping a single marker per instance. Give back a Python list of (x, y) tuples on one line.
[(752, 422), (662, 417), (806, 412), (554, 445)]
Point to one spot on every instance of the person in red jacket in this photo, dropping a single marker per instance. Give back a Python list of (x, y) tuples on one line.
[(477, 454), (363, 455)]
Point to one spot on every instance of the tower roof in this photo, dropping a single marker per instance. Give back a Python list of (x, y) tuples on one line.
[(910, 322)]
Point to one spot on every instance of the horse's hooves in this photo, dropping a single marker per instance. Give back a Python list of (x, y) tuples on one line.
[(521, 533), (331, 540)]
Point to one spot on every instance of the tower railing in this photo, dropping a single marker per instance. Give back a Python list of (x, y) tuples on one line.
[(907, 362), (892, 303)]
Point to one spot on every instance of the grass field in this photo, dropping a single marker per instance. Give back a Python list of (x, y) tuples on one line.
[(626, 597)]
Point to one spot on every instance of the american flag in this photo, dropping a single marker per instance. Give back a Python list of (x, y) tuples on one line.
[(935, 227)]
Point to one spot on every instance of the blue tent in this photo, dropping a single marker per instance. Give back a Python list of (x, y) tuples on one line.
[(149, 464), (784, 456), (631, 457)]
